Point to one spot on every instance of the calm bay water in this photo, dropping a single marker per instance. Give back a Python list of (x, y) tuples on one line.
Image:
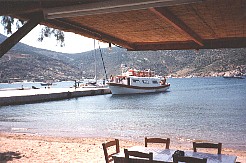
[(211, 109)]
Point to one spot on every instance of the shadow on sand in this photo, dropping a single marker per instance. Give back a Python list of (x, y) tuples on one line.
[(9, 156)]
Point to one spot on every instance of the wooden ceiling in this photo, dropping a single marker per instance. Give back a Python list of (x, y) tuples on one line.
[(141, 24)]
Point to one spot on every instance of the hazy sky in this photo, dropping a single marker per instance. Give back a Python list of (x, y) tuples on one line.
[(73, 43)]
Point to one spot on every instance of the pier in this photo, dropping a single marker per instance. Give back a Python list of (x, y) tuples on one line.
[(24, 96)]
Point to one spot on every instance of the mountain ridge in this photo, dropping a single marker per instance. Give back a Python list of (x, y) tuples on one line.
[(24, 62)]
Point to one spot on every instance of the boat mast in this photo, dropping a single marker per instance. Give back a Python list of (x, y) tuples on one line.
[(95, 60), (105, 72)]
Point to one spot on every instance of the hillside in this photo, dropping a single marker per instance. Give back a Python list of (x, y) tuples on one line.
[(24, 62)]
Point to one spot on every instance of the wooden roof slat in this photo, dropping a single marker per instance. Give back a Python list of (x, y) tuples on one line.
[(203, 21), (214, 19), (165, 14), (108, 6), (147, 26)]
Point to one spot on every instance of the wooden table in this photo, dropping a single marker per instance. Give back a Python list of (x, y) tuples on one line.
[(165, 155)]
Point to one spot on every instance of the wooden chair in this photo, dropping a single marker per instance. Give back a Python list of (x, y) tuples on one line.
[(189, 159), (109, 158), (157, 140), (207, 145), (138, 154)]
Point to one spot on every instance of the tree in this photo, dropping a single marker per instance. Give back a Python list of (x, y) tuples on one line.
[(47, 32), (9, 22)]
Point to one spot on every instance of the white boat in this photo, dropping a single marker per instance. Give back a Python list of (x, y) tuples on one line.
[(134, 81), (233, 76)]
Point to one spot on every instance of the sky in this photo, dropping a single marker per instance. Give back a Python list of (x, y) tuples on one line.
[(73, 43)]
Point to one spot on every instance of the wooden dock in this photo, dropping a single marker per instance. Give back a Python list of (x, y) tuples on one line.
[(24, 96)]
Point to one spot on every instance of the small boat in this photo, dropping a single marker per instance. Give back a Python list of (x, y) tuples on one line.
[(234, 76), (134, 81), (89, 85), (46, 84)]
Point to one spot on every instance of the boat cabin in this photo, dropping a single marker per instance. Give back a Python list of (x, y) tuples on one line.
[(138, 73), (138, 78)]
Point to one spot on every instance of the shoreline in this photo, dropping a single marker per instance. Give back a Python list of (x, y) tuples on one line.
[(17, 147)]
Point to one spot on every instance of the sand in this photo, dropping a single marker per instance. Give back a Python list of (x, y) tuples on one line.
[(32, 148)]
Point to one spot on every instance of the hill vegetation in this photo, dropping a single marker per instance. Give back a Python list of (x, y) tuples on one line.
[(24, 62)]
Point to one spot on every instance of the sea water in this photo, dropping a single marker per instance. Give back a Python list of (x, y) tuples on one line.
[(210, 109)]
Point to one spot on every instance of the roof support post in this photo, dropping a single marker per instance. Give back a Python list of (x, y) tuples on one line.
[(18, 35), (165, 14)]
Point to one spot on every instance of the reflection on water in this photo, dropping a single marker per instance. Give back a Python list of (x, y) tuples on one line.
[(211, 109)]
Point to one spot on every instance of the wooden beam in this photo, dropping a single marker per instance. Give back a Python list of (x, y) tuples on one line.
[(18, 35), (166, 15), (208, 44), (165, 46), (88, 32), (8, 8), (233, 42), (109, 6)]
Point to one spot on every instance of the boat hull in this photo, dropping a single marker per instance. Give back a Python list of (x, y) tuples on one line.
[(117, 88), (231, 77), (45, 84)]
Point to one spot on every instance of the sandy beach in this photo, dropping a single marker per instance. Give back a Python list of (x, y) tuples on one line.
[(33, 148)]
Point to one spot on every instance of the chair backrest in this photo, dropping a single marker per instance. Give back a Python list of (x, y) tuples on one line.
[(138, 154), (108, 157), (157, 140), (189, 159), (207, 145)]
